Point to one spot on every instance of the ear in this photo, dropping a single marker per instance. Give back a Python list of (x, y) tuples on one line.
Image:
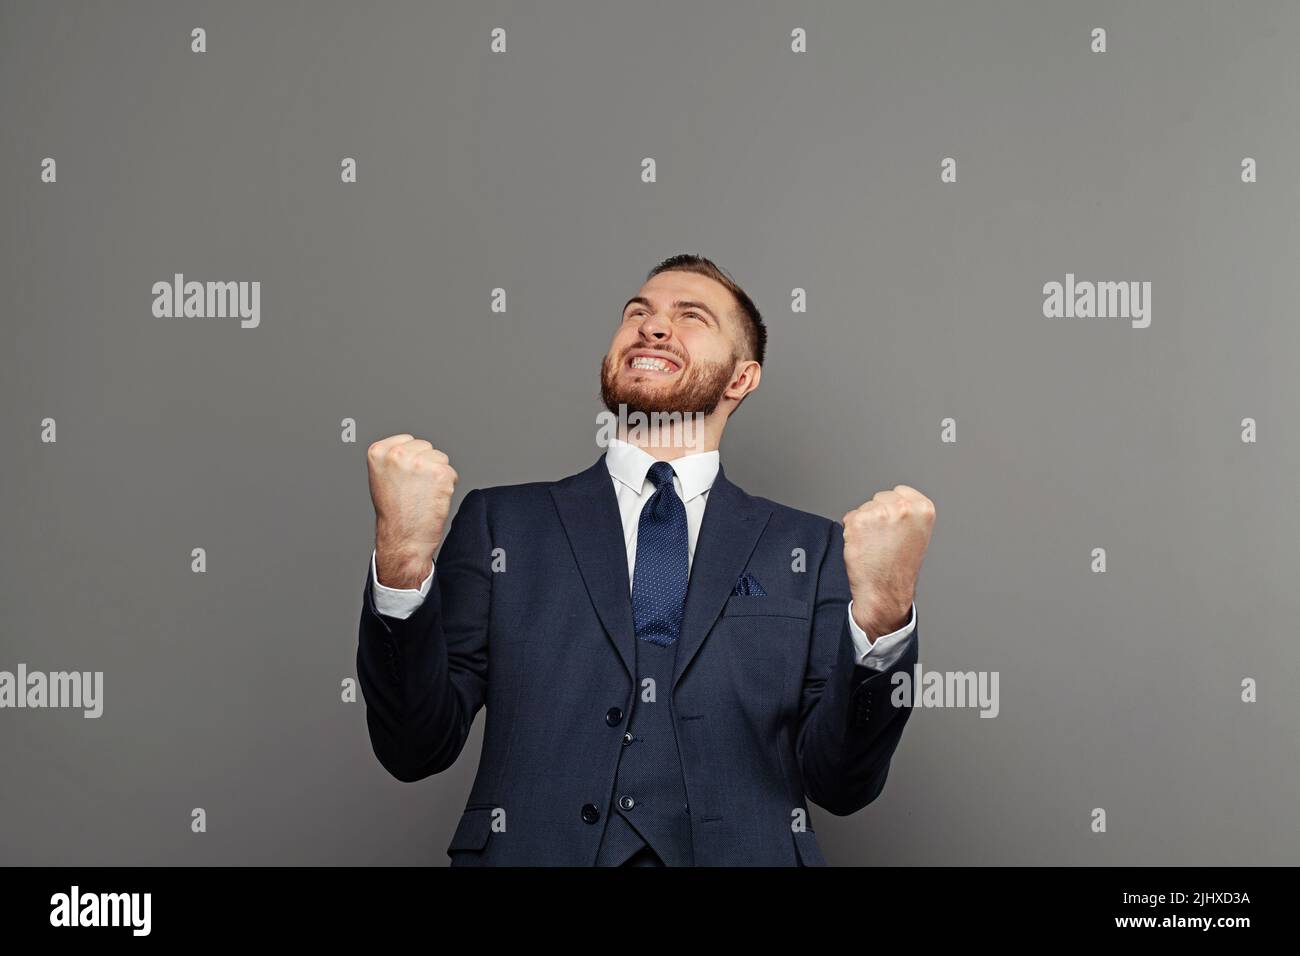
[(744, 380)]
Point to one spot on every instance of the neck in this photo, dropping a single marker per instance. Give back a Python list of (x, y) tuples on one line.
[(674, 436)]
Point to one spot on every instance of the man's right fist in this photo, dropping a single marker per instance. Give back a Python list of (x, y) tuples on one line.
[(411, 484)]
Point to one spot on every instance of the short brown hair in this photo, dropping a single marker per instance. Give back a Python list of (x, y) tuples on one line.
[(755, 345)]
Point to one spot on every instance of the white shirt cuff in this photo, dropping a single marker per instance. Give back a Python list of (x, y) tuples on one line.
[(881, 654), (400, 603)]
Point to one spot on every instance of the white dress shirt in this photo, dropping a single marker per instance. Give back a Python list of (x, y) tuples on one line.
[(628, 466)]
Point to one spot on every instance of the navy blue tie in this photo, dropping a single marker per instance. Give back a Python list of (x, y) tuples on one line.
[(662, 562)]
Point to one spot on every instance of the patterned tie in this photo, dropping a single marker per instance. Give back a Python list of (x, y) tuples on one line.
[(662, 564)]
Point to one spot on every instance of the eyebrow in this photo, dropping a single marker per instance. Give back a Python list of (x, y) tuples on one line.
[(679, 304)]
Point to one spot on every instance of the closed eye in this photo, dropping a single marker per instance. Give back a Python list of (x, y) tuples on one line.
[(686, 315)]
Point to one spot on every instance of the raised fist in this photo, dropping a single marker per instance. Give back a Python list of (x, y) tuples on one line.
[(411, 485), (884, 543)]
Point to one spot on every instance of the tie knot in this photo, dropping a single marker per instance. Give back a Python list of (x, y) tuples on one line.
[(661, 472)]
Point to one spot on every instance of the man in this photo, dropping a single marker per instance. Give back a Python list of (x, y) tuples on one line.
[(671, 667)]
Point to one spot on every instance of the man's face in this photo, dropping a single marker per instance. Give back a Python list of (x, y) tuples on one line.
[(676, 347)]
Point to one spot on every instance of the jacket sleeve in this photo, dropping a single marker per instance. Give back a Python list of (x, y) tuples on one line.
[(848, 725), (424, 677)]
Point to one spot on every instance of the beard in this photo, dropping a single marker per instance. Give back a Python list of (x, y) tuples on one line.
[(697, 391)]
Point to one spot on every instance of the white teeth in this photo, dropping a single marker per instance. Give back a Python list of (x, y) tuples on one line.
[(651, 364)]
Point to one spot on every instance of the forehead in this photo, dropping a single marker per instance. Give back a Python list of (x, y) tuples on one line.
[(667, 287), (689, 284)]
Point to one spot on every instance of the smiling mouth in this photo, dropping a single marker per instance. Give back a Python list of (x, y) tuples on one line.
[(654, 364)]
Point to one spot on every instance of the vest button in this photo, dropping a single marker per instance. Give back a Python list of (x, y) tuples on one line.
[(613, 716), (627, 739), (627, 803), (590, 812)]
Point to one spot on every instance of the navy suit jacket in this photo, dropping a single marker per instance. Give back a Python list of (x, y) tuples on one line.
[(769, 705)]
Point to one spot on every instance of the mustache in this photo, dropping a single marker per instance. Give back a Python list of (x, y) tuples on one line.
[(681, 359)]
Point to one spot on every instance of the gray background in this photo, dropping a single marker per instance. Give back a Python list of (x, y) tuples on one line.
[(818, 170)]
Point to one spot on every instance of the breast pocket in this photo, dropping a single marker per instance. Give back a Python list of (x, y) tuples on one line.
[(745, 605), (761, 638)]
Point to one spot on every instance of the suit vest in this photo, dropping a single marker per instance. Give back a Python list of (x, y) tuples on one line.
[(648, 805)]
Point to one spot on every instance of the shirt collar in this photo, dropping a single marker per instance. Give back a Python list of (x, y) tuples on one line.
[(629, 464)]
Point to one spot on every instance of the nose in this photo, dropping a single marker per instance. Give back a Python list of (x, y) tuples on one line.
[(655, 328)]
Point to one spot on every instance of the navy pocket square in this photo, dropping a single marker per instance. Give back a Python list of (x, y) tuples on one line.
[(748, 585)]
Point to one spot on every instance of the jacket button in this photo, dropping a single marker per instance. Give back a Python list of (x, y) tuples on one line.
[(627, 803), (613, 716), (627, 739), (590, 812)]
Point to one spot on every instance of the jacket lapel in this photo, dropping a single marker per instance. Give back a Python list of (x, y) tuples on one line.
[(588, 510), (729, 532)]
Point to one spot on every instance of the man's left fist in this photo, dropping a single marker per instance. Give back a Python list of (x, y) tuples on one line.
[(884, 544)]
